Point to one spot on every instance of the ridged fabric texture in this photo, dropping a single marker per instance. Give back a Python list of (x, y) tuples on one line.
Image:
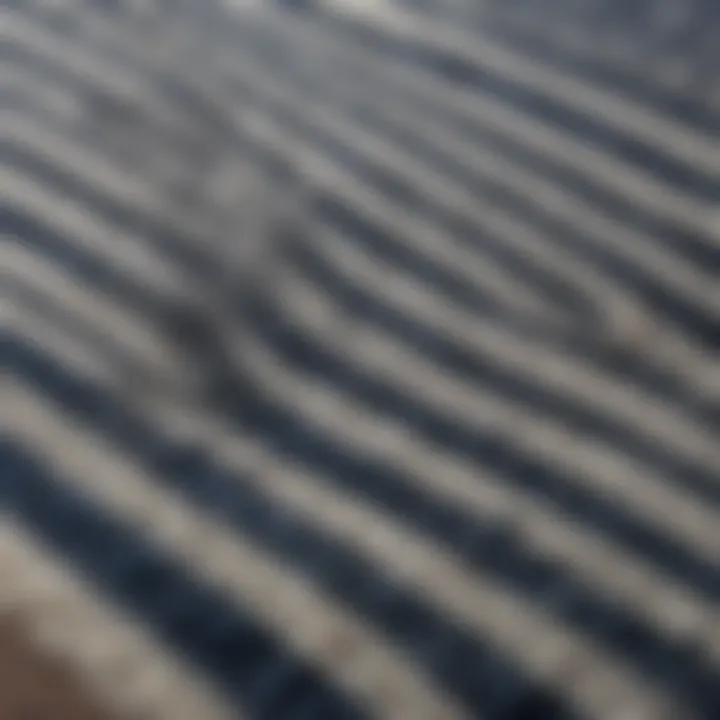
[(361, 357)]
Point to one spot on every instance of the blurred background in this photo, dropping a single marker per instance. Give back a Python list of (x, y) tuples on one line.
[(361, 359)]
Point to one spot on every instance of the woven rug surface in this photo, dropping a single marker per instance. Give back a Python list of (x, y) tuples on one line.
[(361, 357)]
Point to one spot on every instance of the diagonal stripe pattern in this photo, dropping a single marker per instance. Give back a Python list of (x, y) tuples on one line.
[(361, 356)]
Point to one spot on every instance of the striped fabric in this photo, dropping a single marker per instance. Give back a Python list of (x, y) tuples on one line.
[(361, 356)]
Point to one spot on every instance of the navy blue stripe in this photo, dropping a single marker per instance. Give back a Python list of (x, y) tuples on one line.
[(423, 520), (407, 195), (99, 275), (180, 250), (465, 293), (194, 259), (531, 476), (98, 104), (373, 239), (691, 245), (246, 662), (493, 548), (101, 340), (167, 86), (445, 650), (361, 230), (694, 320), (335, 212), (688, 317), (451, 356), (476, 673), (694, 113), (530, 102), (497, 553), (448, 354), (32, 233)]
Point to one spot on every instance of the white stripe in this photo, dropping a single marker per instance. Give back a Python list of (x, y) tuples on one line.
[(131, 78), (486, 160), (83, 160), (114, 655), (542, 646), (675, 611), (689, 285), (240, 196), (118, 368), (551, 655), (385, 155), (531, 359), (344, 648), (627, 321), (645, 189), (126, 253), (53, 99), (670, 74), (19, 320), (673, 276), (623, 114), (593, 558), (555, 654), (624, 315), (144, 195), (530, 431), (141, 195), (319, 170), (665, 266), (612, 301), (119, 81), (292, 609), (130, 331), (696, 365), (669, 604)]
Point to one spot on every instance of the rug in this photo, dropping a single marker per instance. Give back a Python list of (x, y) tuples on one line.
[(361, 358)]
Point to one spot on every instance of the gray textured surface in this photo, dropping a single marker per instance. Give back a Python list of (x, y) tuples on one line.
[(365, 353)]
